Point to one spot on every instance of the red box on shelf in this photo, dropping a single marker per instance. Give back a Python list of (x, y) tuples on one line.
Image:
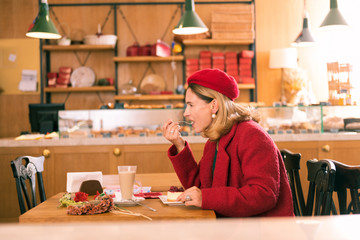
[(204, 66), (232, 72), (229, 55), (246, 54), (63, 81), (192, 61), (230, 67), (220, 67), (245, 61), (247, 80), (231, 61), (203, 61), (245, 73), (236, 77), (205, 54), (218, 62), (64, 75), (192, 67), (218, 55), (245, 67), (64, 69)]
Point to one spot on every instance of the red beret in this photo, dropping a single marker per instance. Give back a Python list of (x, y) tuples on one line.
[(217, 80)]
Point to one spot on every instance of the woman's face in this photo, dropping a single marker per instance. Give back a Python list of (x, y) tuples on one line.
[(198, 111)]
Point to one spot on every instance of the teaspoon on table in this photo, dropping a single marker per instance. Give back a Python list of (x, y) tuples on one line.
[(141, 204)]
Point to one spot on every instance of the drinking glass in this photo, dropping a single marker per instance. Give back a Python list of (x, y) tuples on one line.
[(126, 179)]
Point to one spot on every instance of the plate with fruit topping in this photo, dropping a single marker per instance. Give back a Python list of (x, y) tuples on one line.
[(172, 194)]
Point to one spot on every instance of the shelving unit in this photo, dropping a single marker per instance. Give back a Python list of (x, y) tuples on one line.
[(48, 49)]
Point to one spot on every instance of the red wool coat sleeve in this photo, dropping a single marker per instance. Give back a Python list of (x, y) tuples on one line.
[(249, 177)]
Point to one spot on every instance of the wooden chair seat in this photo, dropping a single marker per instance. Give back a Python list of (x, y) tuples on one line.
[(28, 169), (292, 165), (321, 176)]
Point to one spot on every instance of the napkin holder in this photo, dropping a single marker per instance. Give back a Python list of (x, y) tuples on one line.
[(91, 187), (75, 179)]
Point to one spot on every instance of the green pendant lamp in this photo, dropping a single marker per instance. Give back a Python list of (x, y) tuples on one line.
[(42, 26), (334, 18), (190, 23)]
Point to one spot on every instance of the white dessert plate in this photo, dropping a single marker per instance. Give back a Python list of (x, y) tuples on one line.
[(164, 200), (132, 202)]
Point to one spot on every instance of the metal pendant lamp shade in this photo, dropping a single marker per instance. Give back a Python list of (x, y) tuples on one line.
[(305, 37), (42, 26), (334, 17), (190, 22)]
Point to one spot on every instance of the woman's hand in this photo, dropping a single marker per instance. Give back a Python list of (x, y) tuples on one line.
[(171, 131), (192, 197)]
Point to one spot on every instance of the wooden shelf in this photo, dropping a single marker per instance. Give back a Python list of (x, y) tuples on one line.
[(78, 47), (246, 86), (148, 59), (81, 89), (149, 97), (204, 42)]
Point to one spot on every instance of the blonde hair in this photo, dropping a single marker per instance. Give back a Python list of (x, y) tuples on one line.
[(227, 115)]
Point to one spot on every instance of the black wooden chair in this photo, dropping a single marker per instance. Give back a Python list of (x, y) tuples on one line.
[(321, 176), (347, 177), (292, 165), (28, 169)]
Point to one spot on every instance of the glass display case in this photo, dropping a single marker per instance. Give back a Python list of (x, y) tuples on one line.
[(289, 120), (118, 123), (309, 119)]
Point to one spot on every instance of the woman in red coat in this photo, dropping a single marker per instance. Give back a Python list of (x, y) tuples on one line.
[(241, 172)]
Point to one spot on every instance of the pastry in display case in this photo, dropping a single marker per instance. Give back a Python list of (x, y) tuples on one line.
[(341, 118)]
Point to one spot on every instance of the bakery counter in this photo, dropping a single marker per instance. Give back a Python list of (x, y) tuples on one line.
[(148, 153), (93, 141), (7, 142)]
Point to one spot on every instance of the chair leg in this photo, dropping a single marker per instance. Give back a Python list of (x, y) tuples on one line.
[(342, 200), (355, 200)]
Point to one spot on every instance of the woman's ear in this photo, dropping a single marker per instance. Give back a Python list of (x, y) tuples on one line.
[(214, 106)]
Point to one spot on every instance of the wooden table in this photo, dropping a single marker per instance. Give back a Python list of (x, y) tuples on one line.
[(48, 212)]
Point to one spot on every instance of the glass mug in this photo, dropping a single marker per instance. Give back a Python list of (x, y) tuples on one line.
[(126, 179)]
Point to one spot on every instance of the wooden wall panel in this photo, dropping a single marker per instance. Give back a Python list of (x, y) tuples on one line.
[(277, 24)]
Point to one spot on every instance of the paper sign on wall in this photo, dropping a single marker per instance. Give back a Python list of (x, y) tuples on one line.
[(28, 81)]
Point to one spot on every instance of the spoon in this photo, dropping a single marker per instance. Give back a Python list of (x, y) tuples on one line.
[(186, 123), (141, 204)]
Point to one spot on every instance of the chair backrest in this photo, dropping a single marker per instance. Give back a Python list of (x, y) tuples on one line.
[(28, 169), (347, 177), (321, 176), (292, 165)]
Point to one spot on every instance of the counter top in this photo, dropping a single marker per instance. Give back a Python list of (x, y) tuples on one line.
[(8, 142)]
